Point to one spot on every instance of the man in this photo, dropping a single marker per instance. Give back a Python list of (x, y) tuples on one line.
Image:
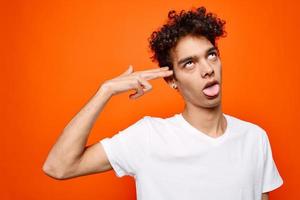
[(200, 153)]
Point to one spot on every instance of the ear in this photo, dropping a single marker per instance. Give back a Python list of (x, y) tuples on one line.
[(172, 83)]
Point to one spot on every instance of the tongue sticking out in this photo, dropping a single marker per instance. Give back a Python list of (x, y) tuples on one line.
[(212, 90)]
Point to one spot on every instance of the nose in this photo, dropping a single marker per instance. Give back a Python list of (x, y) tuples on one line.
[(207, 69)]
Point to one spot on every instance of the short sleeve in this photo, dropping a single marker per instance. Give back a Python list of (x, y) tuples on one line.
[(271, 176), (126, 149)]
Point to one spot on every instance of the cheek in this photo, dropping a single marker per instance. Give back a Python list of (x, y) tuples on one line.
[(191, 81), (192, 86), (219, 68)]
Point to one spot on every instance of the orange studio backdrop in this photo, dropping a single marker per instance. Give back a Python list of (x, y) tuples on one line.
[(55, 55)]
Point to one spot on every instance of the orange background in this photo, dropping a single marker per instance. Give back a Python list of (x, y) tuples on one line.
[(55, 55)]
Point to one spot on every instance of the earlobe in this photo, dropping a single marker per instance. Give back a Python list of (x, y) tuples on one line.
[(172, 84)]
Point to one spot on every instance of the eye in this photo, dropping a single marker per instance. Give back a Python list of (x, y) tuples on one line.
[(189, 64), (212, 55)]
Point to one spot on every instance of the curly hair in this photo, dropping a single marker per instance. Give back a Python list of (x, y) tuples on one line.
[(196, 22)]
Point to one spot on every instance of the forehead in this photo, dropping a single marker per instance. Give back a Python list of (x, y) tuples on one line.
[(190, 45)]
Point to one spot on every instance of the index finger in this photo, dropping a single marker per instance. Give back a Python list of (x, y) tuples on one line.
[(158, 74), (153, 70)]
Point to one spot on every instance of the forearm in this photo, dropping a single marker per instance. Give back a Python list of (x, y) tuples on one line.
[(72, 141), (265, 196)]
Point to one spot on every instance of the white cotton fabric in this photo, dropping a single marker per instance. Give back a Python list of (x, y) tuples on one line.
[(172, 160)]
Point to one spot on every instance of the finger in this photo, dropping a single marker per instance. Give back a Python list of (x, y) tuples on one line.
[(155, 75), (139, 91), (146, 87), (128, 71), (152, 70), (145, 84), (157, 69)]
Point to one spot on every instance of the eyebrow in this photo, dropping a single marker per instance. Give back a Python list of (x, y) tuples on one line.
[(183, 60)]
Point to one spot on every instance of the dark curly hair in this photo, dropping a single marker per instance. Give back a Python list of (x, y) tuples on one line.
[(196, 22)]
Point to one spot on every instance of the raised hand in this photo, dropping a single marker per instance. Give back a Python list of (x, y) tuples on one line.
[(138, 81)]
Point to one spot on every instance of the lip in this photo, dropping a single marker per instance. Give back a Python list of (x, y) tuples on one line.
[(208, 84)]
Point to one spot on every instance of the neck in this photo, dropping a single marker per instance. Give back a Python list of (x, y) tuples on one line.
[(208, 120)]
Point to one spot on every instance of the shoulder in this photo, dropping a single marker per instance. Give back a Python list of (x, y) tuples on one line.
[(247, 127), (161, 124), (160, 121), (147, 123)]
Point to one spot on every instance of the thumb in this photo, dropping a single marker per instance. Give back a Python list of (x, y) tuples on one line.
[(128, 71)]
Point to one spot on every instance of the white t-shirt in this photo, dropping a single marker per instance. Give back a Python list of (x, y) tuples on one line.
[(172, 160)]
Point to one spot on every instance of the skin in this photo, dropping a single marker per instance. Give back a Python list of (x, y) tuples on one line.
[(189, 78), (265, 196), (70, 157)]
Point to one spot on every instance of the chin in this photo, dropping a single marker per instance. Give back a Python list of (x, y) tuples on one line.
[(204, 102), (212, 103), (209, 104)]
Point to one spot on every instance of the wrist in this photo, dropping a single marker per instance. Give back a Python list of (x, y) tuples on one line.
[(105, 91)]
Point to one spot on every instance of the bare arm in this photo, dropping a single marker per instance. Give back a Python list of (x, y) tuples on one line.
[(69, 156), (66, 153), (265, 196)]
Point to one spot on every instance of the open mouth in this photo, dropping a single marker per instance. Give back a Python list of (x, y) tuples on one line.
[(211, 89)]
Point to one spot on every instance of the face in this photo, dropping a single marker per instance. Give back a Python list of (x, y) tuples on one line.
[(196, 62)]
